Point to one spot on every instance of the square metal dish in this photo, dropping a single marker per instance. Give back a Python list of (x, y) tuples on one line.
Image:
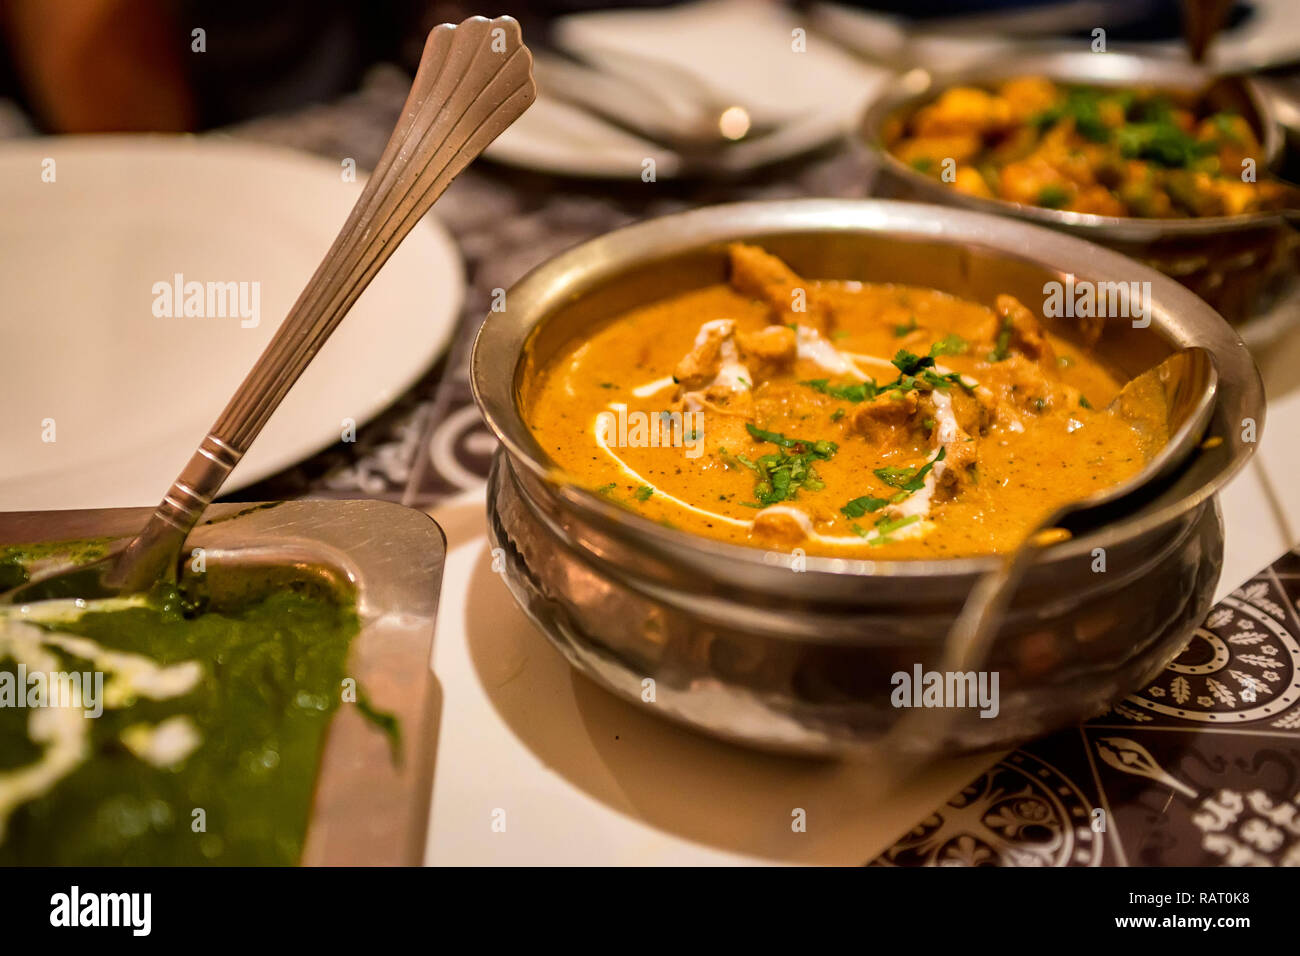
[(367, 807)]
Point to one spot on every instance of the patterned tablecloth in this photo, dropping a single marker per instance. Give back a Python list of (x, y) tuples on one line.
[(1199, 768)]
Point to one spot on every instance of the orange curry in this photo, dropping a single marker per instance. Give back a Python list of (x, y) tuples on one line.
[(843, 418)]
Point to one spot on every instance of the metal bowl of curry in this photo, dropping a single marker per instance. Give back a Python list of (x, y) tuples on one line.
[(754, 457), (1143, 155)]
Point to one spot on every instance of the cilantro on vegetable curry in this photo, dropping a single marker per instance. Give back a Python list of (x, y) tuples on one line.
[(1108, 152), (848, 419)]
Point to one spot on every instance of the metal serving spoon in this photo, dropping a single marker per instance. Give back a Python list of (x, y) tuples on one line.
[(474, 80), (1182, 388)]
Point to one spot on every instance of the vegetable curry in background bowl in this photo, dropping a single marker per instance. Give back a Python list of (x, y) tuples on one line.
[(1154, 158), (1088, 149), (840, 417)]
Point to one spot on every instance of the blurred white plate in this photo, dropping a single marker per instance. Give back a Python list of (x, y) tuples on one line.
[(127, 395), (744, 49)]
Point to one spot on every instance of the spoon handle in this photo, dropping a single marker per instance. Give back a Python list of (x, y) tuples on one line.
[(923, 732), (474, 80)]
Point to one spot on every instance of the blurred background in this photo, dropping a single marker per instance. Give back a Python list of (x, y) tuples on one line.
[(98, 65)]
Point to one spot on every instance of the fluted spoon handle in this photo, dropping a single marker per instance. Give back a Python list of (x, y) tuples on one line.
[(474, 80)]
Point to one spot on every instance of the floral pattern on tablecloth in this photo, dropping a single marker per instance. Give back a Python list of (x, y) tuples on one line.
[(1199, 768)]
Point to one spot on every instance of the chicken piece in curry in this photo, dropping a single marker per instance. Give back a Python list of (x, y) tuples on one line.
[(1108, 152), (843, 418)]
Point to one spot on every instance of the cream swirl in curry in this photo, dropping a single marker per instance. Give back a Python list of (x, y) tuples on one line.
[(846, 419)]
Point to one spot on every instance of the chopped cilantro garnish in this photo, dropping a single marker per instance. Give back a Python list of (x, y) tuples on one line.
[(837, 414), (864, 505), (1083, 106), (644, 492), (857, 392), (910, 364), (887, 526), (909, 326), (883, 528), (1084, 402), (950, 344), (917, 372), (782, 475), (911, 478), (1003, 342), (821, 449), (735, 461), (942, 382), (1161, 141), (1052, 197)]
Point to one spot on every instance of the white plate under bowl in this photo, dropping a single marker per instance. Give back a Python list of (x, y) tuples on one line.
[(127, 395)]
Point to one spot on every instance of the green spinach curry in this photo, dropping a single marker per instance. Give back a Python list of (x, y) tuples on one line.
[(211, 722)]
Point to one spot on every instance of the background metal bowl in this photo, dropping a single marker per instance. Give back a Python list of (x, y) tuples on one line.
[(797, 655), (1241, 264)]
